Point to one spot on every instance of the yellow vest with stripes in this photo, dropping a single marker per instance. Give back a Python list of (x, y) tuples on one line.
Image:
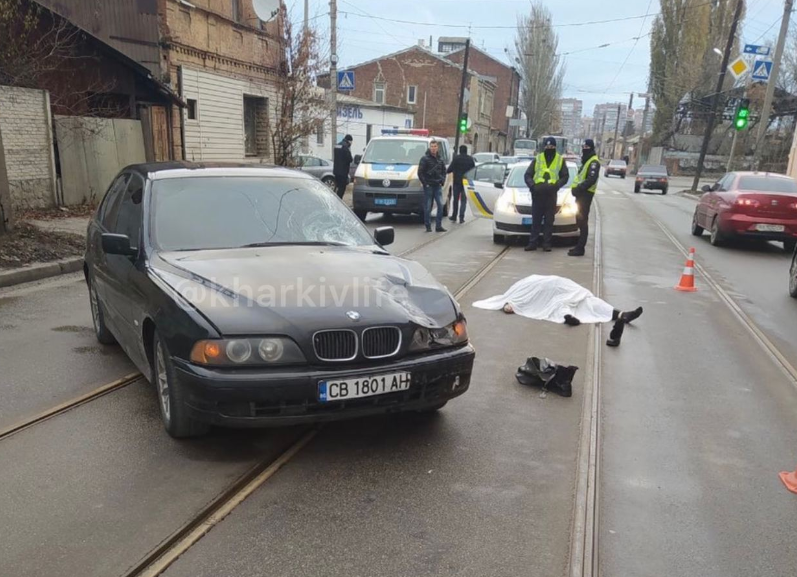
[(545, 173), (582, 175)]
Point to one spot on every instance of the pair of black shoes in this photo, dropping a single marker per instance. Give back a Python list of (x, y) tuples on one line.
[(531, 247), (576, 252), (441, 229), (619, 326), (454, 219)]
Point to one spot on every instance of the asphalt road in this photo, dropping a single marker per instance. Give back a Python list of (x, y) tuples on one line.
[(697, 420)]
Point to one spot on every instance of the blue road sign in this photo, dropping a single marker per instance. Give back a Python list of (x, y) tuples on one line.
[(757, 50), (346, 80), (762, 69)]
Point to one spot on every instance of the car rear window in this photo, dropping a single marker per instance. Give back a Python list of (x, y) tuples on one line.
[(218, 212), (653, 169), (617, 163), (768, 184)]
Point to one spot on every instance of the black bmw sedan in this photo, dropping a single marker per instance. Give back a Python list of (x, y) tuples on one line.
[(253, 296)]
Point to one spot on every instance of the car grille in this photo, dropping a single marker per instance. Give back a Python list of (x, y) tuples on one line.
[(380, 342), (335, 345), (377, 183), (523, 209)]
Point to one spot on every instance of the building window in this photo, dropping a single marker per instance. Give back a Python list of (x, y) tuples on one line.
[(412, 94), (319, 134), (256, 130), (379, 92), (236, 10), (192, 109)]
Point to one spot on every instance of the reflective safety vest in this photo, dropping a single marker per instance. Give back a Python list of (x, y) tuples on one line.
[(582, 176), (544, 173)]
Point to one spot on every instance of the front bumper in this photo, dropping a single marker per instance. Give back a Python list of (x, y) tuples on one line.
[(371, 199), (511, 224), (744, 225), (615, 173), (281, 397), (651, 184)]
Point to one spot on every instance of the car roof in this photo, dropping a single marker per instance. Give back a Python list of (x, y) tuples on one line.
[(408, 137), (761, 174), (185, 169)]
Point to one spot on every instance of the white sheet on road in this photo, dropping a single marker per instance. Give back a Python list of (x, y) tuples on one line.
[(550, 298)]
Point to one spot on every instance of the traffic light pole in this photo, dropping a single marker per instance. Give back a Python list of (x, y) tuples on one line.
[(462, 95)]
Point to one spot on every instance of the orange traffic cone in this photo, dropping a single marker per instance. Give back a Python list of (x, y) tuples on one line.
[(687, 283), (790, 480)]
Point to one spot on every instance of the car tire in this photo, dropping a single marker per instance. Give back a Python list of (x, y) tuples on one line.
[(697, 230), (789, 245), (172, 395), (664, 191), (637, 188), (499, 238), (793, 277), (329, 181), (101, 330), (361, 214), (622, 176), (717, 238)]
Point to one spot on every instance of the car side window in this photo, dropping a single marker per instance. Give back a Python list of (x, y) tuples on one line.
[(313, 161), (111, 199), (725, 182), (490, 172), (130, 214)]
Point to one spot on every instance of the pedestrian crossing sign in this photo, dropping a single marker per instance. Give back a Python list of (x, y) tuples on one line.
[(762, 70), (346, 80), (738, 67)]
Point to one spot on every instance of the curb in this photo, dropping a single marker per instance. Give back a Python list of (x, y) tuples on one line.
[(40, 271)]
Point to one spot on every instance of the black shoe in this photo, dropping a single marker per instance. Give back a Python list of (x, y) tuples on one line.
[(576, 252), (461, 221), (572, 321), (547, 248), (631, 316), (531, 247), (440, 229), (428, 229), (452, 218), (616, 334)]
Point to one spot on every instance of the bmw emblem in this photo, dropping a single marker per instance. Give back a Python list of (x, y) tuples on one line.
[(353, 315), (386, 183)]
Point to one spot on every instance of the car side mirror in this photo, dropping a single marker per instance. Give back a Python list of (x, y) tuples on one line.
[(499, 184), (358, 158), (118, 244), (706, 188), (384, 235)]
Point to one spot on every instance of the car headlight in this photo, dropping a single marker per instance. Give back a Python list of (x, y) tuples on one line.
[(454, 334), (505, 204), (247, 352), (569, 206)]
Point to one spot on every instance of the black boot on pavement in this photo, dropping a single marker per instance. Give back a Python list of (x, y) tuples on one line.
[(452, 218), (547, 248), (576, 252), (531, 247), (631, 316), (616, 334), (428, 229), (440, 229), (462, 220)]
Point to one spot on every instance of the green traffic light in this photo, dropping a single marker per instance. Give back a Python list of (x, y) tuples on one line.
[(742, 117)]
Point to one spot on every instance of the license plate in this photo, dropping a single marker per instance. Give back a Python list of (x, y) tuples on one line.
[(385, 201), (770, 228), (526, 221), (356, 388)]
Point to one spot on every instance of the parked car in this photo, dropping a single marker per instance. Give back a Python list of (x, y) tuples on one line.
[(652, 177), (187, 265), (758, 205), (318, 167), (508, 202), (482, 157), (616, 168)]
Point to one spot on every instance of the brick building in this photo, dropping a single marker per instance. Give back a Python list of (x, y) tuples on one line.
[(507, 91), (427, 85)]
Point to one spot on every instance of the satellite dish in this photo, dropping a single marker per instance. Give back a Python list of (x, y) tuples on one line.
[(266, 10)]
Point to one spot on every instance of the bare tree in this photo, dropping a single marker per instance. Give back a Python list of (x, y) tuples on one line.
[(299, 105), (543, 70)]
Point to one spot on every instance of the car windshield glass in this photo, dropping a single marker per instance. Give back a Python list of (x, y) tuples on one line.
[(765, 184), (653, 170), (571, 170), (515, 179), (228, 212), (395, 151), (524, 144)]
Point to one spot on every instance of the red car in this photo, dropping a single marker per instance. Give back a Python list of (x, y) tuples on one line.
[(759, 205)]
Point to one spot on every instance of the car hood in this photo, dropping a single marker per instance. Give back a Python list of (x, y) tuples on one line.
[(299, 290), (522, 195)]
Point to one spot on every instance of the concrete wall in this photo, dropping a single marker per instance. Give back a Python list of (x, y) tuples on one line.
[(27, 141), (92, 151)]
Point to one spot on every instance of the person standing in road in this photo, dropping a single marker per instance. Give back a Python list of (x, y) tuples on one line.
[(341, 165), (432, 174), (546, 174), (584, 186), (461, 164)]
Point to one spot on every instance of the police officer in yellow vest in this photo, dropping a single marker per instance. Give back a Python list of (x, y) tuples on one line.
[(584, 186), (544, 177)]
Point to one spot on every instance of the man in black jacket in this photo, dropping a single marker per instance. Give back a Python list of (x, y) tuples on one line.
[(584, 187), (432, 174), (546, 174), (461, 164), (341, 165)]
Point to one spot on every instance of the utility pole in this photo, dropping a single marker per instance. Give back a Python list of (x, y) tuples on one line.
[(616, 130), (306, 15), (716, 98), (603, 129), (625, 126), (638, 156), (333, 73), (462, 95), (771, 85)]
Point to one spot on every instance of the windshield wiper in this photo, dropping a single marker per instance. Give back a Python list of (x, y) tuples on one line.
[(296, 243)]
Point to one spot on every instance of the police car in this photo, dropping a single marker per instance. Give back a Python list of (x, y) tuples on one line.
[(386, 180)]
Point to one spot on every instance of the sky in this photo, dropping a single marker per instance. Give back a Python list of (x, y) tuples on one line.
[(594, 75)]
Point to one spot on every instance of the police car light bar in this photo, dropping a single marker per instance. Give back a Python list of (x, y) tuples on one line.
[(412, 131)]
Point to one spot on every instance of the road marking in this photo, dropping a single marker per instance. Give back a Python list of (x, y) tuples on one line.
[(584, 539), (69, 405)]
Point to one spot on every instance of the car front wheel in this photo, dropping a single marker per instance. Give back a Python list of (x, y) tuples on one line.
[(788, 245), (172, 396), (101, 331)]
